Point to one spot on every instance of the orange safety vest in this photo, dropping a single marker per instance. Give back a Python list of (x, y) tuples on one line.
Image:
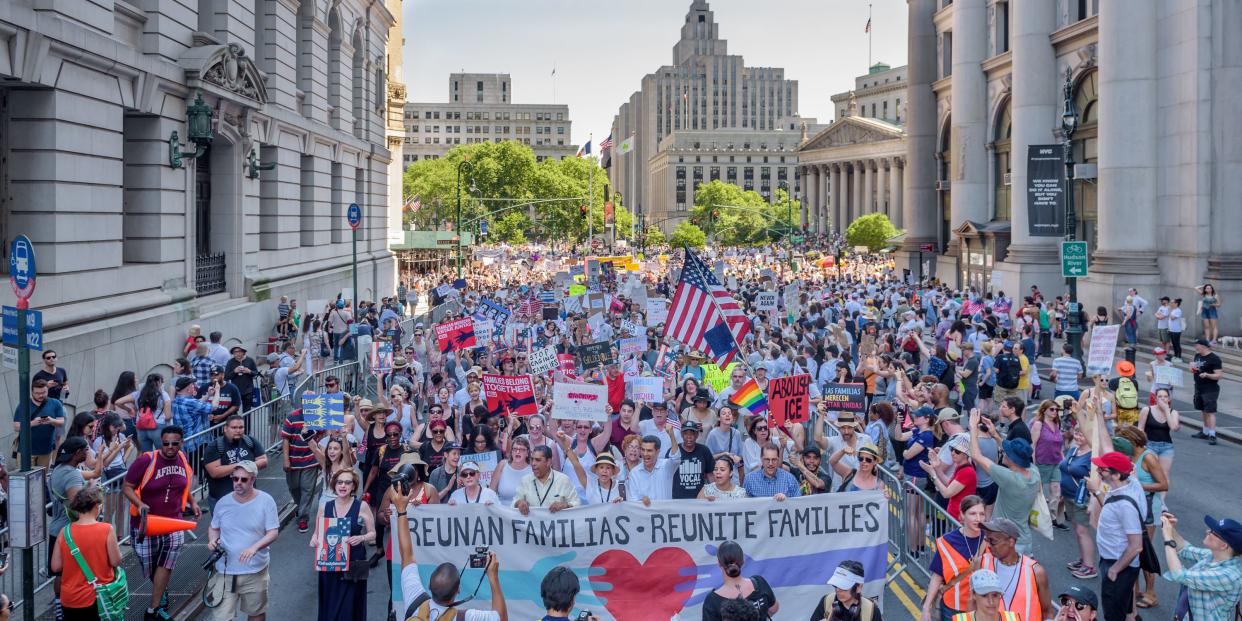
[(1005, 615), (952, 563), (1026, 596), (146, 477)]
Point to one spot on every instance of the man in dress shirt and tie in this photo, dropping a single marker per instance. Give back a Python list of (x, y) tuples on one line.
[(544, 487)]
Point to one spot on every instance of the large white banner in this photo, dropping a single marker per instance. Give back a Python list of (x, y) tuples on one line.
[(639, 563)]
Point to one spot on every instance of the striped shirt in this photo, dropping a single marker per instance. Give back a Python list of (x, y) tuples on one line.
[(300, 455), (1068, 369), (1212, 586)]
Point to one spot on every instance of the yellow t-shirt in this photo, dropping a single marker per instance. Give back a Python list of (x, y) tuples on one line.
[(1024, 383)]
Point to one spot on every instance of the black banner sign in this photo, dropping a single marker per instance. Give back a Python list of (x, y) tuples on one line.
[(1045, 190)]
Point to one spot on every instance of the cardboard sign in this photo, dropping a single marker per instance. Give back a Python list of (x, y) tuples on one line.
[(846, 397), (633, 329), (633, 345), (487, 465), (575, 290), (497, 313), (596, 354), (443, 291), (1169, 375), (323, 410), (333, 553), (596, 323), (550, 312), (765, 301), (381, 357), (595, 303), (789, 399), (484, 330), (511, 395), (657, 311), (580, 402), (566, 364), (575, 304), (717, 377), (542, 360), (647, 389), (1103, 348), (455, 335)]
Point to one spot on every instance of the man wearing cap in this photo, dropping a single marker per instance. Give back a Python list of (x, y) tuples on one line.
[(1214, 580), (988, 596), (1025, 591), (64, 484), (696, 459), (846, 602), (1066, 372), (245, 523), (1118, 532), (1078, 603), (811, 476), (192, 413), (241, 371), (1206, 369), (225, 400), (842, 448)]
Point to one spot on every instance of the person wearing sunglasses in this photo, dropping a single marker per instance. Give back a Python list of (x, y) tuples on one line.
[(57, 378), (469, 490), (1078, 604), (245, 523)]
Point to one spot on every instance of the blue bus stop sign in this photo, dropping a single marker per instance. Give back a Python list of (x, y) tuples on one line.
[(355, 215), (22, 267)]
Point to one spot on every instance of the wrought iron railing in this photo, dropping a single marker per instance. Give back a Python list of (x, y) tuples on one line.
[(209, 273)]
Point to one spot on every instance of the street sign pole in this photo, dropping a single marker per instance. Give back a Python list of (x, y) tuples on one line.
[(22, 273), (354, 215)]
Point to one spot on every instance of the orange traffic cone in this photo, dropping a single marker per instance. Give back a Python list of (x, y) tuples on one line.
[(157, 525)]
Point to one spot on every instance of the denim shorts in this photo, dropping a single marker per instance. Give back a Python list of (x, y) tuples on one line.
[(1210, 313), (1161, 449)]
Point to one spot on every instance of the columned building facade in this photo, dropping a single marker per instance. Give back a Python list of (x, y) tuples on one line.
[(103, 110), (1157, 87)]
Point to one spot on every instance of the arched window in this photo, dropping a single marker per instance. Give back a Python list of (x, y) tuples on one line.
[(1086, 151), (336, 87), (943, 175), (1003, 162)]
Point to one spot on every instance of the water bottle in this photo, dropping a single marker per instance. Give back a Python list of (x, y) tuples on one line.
[(1080, 498)]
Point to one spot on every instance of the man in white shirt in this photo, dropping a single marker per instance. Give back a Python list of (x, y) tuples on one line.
[(544, 487), (1118, 532), (1162, 321), (653, 478), (658, 426), (245, 523), (445, 580)]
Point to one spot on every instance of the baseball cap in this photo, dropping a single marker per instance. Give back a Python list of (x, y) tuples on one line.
[(1123, 446), (659, 405), (1159, 350), (691, 425), (273, 357), (985, 581), (248, 466), (1082, 595), (947, 414), (1202, 341), (1114, 460), (215, 368), (1004, 526), (183, 382), (70, 446), (1228, 530), (923, 411)]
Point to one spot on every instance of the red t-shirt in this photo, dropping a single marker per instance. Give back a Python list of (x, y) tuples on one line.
[(164, 491), (616, 391), (92, 541), (966, 475)]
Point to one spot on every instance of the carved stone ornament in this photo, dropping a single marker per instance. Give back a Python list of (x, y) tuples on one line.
[(227, 73), (225, 70), (396, 91), (1086, 56)]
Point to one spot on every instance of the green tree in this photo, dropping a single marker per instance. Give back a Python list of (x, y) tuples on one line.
[(687, 234), (731, 215), (655, 237), (510, 228), (873, 231)]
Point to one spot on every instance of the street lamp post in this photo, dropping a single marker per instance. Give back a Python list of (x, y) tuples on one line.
[(1069, 123), (789, 223), (465, 159)]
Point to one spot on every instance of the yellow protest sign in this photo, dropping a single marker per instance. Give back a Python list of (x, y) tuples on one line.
[(716, 377)]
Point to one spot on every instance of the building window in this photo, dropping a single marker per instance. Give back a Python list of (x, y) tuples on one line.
[(1002, 27), (1004, 163), (946, 54)]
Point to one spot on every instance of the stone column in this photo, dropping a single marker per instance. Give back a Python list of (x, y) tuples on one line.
[(881, 185), (1224, 260), (868, 199), (825, 194), (857, 201), (810, 188), (896, 205), (838, 211), (919, 204), (969, 176), (1036, 111)]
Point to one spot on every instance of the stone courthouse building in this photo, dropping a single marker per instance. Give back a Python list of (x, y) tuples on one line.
[(1157, 86), (104, 105)]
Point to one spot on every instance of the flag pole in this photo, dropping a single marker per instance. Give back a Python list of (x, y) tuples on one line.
[(870, 34), (590, 197)]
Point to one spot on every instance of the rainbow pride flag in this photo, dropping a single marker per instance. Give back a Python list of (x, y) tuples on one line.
[(750, 397)]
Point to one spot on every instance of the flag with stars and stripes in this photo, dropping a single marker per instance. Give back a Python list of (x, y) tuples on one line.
[(695, 318), (606, 144), (739, 325)]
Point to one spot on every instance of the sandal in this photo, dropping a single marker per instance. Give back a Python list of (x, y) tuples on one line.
[(1145, 602)]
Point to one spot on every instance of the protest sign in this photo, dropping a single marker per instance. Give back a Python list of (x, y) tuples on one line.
[(455, 335), (657, 311), (789, 399), (323, 410), (332, 554), (1103, 348), (487, 465), (666, 362), (381, 357), (717, 377), (575, 304), (647, 389), (512, 395), (846, 397), (633, 329), (633, 345), (596, 323), (577, 290), (595, 303), (580, 402), (542, 360), (443, 291), (642, 563), (596, 354), (765, 301), (1169, 375), (497, 313), (550, 312), (484, 329), (566, 364)]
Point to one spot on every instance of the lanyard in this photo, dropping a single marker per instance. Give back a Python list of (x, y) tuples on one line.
[(603, 498), (544, 496)]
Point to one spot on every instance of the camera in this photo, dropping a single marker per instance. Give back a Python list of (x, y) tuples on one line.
[(210, 563), (583, 615), (478, 560), (404, 477)]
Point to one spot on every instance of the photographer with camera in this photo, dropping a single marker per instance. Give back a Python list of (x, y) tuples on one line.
[(558, 590), (243, 525), (441, 602)]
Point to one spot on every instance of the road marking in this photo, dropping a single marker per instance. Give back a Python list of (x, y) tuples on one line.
[(905, 600)]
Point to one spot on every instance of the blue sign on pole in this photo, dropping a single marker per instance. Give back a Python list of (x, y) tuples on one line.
[(355, 215), (22, 267), (34, 328)]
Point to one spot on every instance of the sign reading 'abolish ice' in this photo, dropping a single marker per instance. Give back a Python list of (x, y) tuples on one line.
[(659, 562)]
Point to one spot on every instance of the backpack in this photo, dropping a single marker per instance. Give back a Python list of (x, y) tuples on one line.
[(420, 610), (1008, 370), (866, 609), (145, 420), (1126, 394)]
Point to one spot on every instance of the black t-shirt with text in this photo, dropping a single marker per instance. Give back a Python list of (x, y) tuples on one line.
[(691, 472), (1206, 364), (245, 449)]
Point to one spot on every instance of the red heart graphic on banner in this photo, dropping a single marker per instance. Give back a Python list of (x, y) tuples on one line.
[(646, 591)]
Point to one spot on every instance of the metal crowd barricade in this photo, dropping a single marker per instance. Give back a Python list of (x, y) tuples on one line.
[(262, 422)]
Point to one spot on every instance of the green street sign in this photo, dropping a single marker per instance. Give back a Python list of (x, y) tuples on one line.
[(1074, 259), (797, 239)]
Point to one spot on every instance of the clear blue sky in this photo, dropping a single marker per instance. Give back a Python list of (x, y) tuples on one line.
[(602, 49)]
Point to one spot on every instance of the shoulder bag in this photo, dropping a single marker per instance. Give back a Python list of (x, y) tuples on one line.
[(112, 599)]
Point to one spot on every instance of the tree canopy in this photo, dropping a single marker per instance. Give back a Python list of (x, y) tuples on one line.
[(687, 234), (736, 217), (872, 230)]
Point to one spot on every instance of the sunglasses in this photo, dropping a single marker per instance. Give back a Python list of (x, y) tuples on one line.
[(957, 452), (171, 443), (331, 384), (866, 460), (50, 357), (1067, 601), (469, 473), (394, 435), (763, 428), (240, 479), (439, 431)]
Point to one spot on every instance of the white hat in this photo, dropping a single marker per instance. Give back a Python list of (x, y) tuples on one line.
[(844, 579), (470, 465)]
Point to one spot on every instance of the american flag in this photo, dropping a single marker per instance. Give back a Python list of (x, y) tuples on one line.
[(696, 318), (413, 204), (867, 28), (739, 325), (606, 144)]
